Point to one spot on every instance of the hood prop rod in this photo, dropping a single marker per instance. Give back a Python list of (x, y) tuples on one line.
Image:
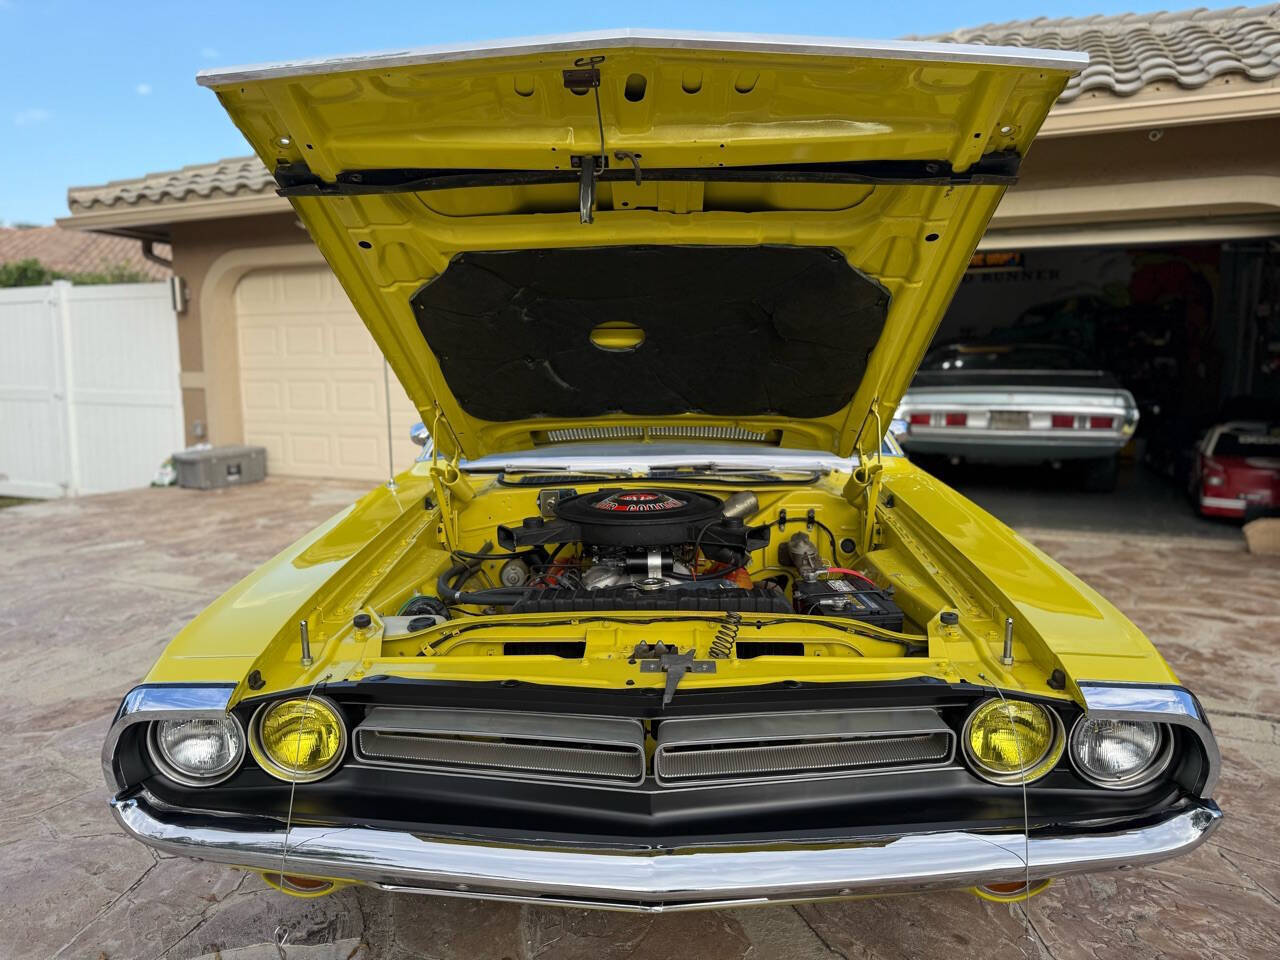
[(584, 76)]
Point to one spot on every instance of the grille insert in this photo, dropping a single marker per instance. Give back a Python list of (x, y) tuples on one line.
[(504, 744), (793, 759), (781, 746)]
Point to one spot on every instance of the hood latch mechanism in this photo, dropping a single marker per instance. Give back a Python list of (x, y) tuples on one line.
[(660, 658)]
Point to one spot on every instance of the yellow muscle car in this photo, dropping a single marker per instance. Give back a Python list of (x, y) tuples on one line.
[(661, 619)]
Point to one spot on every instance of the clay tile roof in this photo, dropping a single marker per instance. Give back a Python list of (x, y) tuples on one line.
[(71, 251), (226, 178), (1129, 51)]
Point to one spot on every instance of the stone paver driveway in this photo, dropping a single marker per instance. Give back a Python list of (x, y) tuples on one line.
[(91, 589)]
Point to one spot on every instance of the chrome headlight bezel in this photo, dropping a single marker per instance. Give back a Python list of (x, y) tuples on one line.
[(170, 770), (1044, 764), (264, 760), (1158, 764)]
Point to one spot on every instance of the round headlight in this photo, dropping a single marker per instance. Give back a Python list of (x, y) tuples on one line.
[(1012, 741), (1119, 754), (299, 740), (198, 752)]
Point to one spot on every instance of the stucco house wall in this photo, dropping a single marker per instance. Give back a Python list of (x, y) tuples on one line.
[(212, 256)]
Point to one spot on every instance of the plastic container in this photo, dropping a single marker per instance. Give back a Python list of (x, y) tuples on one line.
[(220, 467)]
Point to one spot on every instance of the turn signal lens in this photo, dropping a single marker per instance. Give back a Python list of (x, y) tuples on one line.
[(197, 752), (1118, 754), (301, 739), (1012, 741)]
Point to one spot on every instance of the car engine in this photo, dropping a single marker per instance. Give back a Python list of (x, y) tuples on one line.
[(659, 550), (646, 550)]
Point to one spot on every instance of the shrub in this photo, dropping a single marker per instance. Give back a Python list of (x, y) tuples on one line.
[(33, 273)]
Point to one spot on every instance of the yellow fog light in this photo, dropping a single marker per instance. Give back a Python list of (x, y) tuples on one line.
[(299, 740), (1012, 741)]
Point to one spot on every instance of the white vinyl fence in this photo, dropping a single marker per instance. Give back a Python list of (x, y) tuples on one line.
[(90, 397)]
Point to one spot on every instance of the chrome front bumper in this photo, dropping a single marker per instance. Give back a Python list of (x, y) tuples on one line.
[(658, 880)]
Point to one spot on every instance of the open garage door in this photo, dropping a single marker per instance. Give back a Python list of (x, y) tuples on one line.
[(312, 379), (1191, 329)]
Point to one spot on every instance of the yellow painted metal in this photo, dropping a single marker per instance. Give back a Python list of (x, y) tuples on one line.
[(938, 550), (700, 108)]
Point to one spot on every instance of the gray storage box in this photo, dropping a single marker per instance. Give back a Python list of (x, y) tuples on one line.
[(220, 467)]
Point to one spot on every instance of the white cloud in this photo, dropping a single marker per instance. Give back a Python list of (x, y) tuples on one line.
[(209, 53), (31, 116), (143, 89)]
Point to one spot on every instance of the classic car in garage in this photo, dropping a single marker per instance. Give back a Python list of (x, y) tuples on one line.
[(1019, 403), (664, 620)]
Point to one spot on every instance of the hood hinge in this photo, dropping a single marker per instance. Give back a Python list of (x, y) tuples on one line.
[(866, 480), (452, 488)]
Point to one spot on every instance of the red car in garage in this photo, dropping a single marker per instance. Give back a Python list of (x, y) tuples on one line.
[(1237, 470)]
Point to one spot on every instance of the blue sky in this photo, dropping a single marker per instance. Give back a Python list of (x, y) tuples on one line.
[(97, 91)]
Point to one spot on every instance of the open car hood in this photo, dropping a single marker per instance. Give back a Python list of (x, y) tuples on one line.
[(760, 249)]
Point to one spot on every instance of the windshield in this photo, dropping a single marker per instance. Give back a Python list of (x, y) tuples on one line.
[(977, 356), (1248, 443)]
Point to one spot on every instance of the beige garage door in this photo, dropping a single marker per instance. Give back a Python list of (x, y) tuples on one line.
[(312, 381)]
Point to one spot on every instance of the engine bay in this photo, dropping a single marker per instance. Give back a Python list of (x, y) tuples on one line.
[(662, 550)]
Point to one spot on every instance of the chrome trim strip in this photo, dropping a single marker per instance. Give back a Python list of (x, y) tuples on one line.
[(1224, 503), (150, 702), (634, 39), (1166, 704), (670, 879)]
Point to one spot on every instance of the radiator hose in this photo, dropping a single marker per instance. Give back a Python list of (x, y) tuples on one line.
[(450, 580)]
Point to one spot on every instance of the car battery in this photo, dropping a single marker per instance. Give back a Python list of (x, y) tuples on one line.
[(845, 598), (220, 467)]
